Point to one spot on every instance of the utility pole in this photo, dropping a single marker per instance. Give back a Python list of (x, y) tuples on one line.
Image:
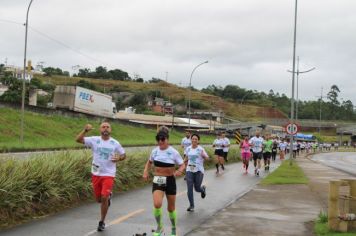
[(299, 72), (24, 78), (293, 78), (167, 76), (321, 100)]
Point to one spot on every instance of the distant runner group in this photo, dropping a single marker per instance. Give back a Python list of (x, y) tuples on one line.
[(169, 164)]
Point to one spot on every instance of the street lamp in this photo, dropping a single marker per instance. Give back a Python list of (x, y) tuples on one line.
[(299, 72), (190, 88), (293, 78), (24, 77)]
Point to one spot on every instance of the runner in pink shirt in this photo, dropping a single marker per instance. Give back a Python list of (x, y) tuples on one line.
[(245, 153)]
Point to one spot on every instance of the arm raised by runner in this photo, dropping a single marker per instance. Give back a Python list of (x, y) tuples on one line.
[(80, 136)]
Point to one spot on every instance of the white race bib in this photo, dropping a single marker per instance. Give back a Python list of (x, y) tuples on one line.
[(192, 168), (160, 180), (95, 169)]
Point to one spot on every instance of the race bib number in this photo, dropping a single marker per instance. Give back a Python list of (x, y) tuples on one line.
[(160, 180), (192, 168), (247, 149), (95, 169)]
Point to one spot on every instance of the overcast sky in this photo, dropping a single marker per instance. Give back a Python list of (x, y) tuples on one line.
[(248, 43)]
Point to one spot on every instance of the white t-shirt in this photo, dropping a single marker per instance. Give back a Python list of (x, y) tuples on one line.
[(186, 142), (169, 156), (226, 143), (103, 151), (282, 146), (196, 159), (219, 142), (256, 144)]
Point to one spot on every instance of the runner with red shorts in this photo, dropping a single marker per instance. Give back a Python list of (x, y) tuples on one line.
[(106, 152), (245, 153)]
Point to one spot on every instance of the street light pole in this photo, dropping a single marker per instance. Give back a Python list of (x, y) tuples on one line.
[(293, 79), (299, 72), (24, 78), (190, 88), (242, 99)]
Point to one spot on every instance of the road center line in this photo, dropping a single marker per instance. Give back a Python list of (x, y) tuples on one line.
[(119, 220), (126, 217)]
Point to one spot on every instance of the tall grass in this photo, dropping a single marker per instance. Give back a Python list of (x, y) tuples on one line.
[(43, 185)]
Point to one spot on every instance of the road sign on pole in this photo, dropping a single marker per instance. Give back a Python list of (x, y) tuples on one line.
[(292, 128)]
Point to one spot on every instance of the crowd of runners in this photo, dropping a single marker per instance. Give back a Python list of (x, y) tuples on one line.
[(166, 163)]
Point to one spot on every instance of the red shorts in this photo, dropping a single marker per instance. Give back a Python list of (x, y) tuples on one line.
[(102, 185)]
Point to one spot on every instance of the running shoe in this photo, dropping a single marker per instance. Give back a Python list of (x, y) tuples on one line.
[(258, 172), (101, 226), (158, 232), (174, 232), (191, 209), (255, 171), (203, 192)]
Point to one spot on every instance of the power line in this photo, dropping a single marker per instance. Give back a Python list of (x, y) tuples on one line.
[(59, 42)]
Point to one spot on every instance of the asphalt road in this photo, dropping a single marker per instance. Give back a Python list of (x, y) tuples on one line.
[(131, 212), (344, 161)]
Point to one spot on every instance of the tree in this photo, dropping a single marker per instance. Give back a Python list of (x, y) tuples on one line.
[(155, 80), (84, 72), (333, 94), (86, 84), (49, 71), (14, 93), (118, 74)]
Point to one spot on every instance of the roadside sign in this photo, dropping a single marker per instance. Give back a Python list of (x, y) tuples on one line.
[(292, 128), (238, 137)]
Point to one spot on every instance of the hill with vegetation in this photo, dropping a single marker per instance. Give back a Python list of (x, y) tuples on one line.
[(177, 95)]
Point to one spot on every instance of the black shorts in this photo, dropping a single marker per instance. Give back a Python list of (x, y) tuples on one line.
[(170, 188), (266, 155), (257, 155), (225, 154), (219, 152)]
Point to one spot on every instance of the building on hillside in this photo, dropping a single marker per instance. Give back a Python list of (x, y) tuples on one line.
[(17, 72), (159, 105)]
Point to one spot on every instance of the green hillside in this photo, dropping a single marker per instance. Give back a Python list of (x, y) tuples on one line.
[(176, 94), (43, 132)]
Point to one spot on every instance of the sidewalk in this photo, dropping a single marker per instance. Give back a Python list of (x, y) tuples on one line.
[(276, 209)]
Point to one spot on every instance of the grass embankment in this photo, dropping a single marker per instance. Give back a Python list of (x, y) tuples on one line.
[(39, 186), (321, 227), (286, 174), (244, 112), (54, 131)]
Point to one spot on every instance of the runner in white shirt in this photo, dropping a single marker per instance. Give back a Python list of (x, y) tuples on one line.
[(196, 156), (106, 152), (186, 141), (282, 149), (219, 152), (226, 146), (257, 144)]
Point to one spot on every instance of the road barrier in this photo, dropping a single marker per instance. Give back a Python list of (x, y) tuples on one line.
[(342, 207), (238, 137)]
